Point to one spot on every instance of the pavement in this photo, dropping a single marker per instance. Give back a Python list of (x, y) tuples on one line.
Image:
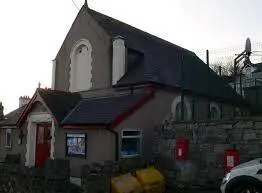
[(205, 191), (198, 190), (77, 183)]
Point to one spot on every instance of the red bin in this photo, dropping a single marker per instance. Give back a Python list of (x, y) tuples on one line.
[(231, 159), (182, 149)]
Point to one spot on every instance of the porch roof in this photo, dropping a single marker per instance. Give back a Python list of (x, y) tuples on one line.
[(60, 103), (105, 110), (70, 109)]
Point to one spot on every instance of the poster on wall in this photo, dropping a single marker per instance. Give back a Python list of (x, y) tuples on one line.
[(76, 145)]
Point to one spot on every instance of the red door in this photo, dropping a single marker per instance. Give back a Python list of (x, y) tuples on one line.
[(42, 144)]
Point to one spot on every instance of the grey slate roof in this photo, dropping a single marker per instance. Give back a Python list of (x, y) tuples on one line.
[(102, 110), (11, 118), (60, 103), (71, 108), (160, 62)]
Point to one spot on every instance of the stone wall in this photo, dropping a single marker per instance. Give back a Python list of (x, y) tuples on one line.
[(208, 141), (96, 176), (54, 177)]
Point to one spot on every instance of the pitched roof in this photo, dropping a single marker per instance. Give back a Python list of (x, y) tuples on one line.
[(59, 103), (160, 62), (71, 108), (102, 110), (11, 118)]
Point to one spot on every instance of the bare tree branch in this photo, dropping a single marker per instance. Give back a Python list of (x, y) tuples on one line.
[(227, 69)]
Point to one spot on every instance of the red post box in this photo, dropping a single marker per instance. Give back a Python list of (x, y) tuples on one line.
[(182, 149), (231, 158)]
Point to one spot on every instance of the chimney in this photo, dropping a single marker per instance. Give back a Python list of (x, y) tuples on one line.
[(1, 111), (119, 59), (53, 74), (23, 100)]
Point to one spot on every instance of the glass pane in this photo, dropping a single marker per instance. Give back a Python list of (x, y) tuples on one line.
[(130, 146), (179, 112), (76, 144), (40, 135), (8, 139), (214, 113)]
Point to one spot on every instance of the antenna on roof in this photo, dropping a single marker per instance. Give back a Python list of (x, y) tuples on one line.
[(248, 47)]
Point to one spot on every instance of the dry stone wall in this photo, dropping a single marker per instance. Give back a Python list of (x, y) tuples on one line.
[(208, 141)]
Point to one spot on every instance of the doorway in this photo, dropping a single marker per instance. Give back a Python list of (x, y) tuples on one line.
[(43, 144)]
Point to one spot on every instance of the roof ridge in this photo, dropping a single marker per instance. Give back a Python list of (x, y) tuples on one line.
[(53, 90), (72, 110), (113, 96)]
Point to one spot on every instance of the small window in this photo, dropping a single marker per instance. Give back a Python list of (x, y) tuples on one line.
[(131, 143), (76, 145), (8, 138), (214, 112), (178, 114), (237, 112)]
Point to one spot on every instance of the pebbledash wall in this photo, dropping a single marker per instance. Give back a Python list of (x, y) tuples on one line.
[(208, 141)]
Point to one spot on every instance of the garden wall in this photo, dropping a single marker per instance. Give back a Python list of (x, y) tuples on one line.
[(208, 141)]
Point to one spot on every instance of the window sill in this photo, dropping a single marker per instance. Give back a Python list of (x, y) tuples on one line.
[(76, 156), (130, 156), (8, 147)]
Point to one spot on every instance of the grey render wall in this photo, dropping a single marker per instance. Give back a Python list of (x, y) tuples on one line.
[(15, 148), (100, 147), (208, 141), (145, 118), (84, 27)]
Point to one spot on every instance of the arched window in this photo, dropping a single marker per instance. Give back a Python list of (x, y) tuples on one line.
[(81, 66), (215, 113), (237, 112), (176, 109), (179, 112)]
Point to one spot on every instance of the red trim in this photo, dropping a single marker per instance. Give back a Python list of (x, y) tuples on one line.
[(137, 106), (29, 106), (84, 127)]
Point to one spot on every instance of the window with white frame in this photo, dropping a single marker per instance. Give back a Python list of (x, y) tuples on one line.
[(8, 138), (131, 143)]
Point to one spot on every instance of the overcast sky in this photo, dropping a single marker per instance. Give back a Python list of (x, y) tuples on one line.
[(33, 31)]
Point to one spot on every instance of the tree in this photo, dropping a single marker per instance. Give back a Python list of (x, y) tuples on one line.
[(227, 69)]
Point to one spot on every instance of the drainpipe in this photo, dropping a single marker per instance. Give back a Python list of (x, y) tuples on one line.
[(221, 106), (208, 106), (240, 83), (116, 142), (182, 87)]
